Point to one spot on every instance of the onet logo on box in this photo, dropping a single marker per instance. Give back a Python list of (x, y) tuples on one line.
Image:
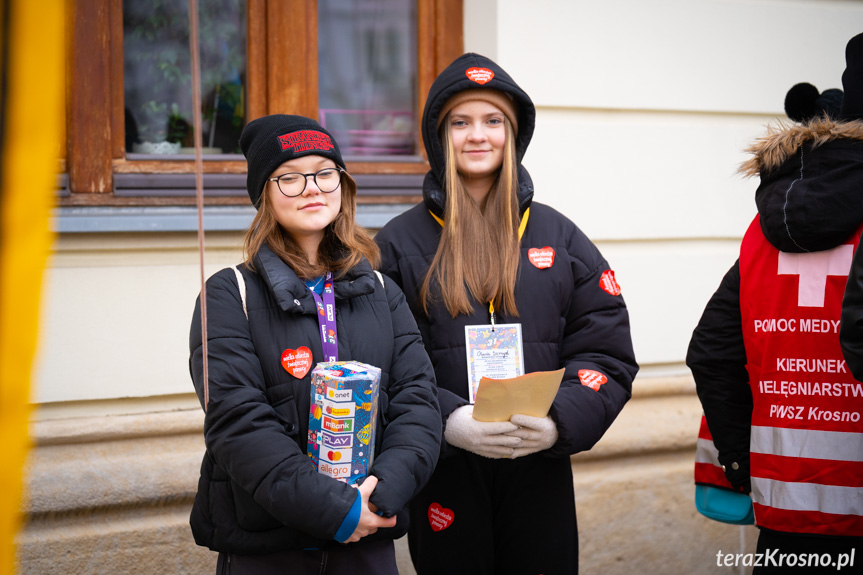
[(339, 394), (338, 425)]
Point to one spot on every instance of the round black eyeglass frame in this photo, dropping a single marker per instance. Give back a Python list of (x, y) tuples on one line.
[(305, 177)]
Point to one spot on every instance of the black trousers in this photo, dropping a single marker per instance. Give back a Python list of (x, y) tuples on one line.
[(375, 558), (805, 554), (496, 516)]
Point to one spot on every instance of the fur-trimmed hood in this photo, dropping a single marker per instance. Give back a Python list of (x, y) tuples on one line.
[(811, 193)]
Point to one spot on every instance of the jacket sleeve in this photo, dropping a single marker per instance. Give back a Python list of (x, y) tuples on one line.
[(851, 324), (412, 435), (596, 338), (717, 358), (243, 432)]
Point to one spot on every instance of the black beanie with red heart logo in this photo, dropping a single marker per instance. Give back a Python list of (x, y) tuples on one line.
[(270, 141)]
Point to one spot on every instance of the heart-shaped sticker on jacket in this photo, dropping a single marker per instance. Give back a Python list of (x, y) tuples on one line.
[(298, 361), (541, 257), (440, 517)]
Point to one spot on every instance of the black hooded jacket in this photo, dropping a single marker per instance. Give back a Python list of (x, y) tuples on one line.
[(810, 199), (259, 492), (567, 319)]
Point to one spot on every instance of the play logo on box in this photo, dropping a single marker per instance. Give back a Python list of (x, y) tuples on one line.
[(340, 441)]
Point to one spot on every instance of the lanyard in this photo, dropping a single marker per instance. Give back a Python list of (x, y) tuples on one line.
[(521, 227), (326, 304)]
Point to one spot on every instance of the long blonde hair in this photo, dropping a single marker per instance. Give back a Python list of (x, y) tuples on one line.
[(344, 244), (478, 254)]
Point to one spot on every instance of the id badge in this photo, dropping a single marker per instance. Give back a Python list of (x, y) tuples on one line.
[(496, 353)]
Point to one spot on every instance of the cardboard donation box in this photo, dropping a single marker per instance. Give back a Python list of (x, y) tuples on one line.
[(344, 410)]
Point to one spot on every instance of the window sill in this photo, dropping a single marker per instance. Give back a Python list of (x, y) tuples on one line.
[(72, 220)]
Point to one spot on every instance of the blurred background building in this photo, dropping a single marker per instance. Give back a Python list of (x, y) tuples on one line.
[(643, 110)]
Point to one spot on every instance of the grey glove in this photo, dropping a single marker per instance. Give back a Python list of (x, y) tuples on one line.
[(536, 434), (489, 439)]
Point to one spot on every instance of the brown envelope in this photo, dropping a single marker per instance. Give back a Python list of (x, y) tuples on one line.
[(529, 394)]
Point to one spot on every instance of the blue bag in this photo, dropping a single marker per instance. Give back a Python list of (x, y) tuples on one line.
[(724, 505)]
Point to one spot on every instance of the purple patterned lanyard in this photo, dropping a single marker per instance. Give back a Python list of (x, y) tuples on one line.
[(326, 304)]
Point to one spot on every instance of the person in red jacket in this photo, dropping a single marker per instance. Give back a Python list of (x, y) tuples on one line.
[(785, 413)]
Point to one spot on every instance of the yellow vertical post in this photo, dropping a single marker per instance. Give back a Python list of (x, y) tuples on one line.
[(30, 140)]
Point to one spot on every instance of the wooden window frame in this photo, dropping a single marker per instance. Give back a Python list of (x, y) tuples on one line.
[(95, 143)]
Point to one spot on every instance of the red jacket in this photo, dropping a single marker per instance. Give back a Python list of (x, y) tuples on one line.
[(806, 441)]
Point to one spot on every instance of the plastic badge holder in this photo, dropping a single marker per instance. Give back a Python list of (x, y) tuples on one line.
[(724, 505)]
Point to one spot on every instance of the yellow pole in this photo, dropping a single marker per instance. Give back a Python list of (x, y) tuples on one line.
[(31, 139)]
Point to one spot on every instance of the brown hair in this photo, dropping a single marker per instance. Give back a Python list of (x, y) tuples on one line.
[(344, 243), (479, 250)]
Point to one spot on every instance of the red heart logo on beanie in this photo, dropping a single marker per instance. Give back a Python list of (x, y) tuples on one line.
[(440, 517), (298, 361)]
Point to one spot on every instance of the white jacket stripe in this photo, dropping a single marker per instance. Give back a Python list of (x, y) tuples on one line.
[(808, 496), (705, 452), (807, 443)]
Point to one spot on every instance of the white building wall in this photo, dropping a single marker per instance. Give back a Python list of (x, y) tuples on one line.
[(644, 109)]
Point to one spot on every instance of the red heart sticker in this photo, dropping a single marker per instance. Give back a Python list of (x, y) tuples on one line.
[(592, 379), (541, 257), (298, 361), (440, 517), (608, 283), (479, 75)]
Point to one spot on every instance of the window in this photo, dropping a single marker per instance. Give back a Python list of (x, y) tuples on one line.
[(129, 58), (157, 77), (367, 72)]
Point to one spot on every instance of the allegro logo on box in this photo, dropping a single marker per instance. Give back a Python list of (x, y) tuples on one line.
[(334, 470)]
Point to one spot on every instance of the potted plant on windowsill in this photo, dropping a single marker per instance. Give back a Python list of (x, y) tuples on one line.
[(167, 140)]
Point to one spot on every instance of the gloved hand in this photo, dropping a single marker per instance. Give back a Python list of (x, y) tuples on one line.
[(536, 433), (486, 438)]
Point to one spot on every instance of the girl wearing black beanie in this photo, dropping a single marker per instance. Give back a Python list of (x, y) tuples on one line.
[(305, 294), (484, 268)]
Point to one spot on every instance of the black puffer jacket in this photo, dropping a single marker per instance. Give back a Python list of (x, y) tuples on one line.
[(810, 199), (567, 319), (259, 492), (851, 324)]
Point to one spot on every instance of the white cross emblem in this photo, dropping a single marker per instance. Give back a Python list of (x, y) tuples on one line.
[(813, 269)]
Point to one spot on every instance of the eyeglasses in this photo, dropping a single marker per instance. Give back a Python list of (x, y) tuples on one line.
[(293, 184)]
